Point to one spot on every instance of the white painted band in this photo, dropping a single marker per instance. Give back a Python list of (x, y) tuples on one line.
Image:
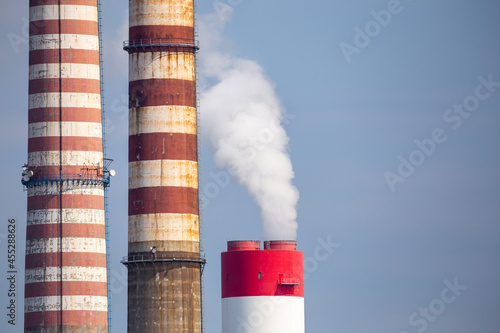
[(67, 71), (165, 227), (51, 158), (51, 216), (53, 303), (163, 173), (69, 188), (69, 244), (66, 100), (257, 314), (161, 65), (68, 41), (68, 128), (157, 12), (162, 119), (68, 12), (70, 273)]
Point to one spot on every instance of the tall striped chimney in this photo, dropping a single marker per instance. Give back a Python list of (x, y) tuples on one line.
[(65, 282), (164, 262)]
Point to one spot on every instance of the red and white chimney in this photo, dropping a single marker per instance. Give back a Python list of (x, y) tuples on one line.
[(262, 290)]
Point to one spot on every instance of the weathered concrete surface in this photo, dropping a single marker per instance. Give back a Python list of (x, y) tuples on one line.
[(164, 290), (164, 297)]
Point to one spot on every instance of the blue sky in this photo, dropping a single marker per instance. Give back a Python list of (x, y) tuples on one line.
[(396, 250)]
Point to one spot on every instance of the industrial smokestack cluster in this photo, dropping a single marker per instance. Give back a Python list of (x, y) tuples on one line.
[(66, 177)]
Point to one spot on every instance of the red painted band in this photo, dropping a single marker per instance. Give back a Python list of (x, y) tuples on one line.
[(78, 27), (68, 172), (53, 230), (69, 288), (74, 318), (162, 146), (158, 92), (70, 85), (163, 199), (69, 143), (70, 259), (71, 56), (167, 33), (75, 201), (68, 114), (279, 271), (34, 3)]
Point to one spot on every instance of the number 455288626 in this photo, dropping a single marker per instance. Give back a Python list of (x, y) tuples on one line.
[(11, 249)]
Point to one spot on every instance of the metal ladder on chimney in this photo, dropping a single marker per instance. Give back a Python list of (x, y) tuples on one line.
[(103, 124), (198, 135)]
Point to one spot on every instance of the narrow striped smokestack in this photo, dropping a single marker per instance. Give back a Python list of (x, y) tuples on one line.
[(262, 290), (65, 283), (164, 263)]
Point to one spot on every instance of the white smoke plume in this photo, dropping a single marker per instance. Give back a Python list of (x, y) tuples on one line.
[(241, 116)]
